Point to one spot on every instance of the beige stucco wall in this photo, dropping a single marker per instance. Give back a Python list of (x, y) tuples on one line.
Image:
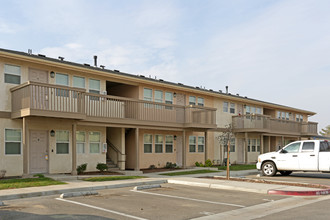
[(13, 164), (58, 163), (157, 159), (92, 158)]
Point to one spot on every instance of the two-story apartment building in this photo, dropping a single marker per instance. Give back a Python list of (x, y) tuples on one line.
[(55, 115)]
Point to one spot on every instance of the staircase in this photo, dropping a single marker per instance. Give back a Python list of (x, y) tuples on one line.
[(112, 166)]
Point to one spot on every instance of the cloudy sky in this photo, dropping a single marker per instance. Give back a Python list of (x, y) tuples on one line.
[(276, 51)]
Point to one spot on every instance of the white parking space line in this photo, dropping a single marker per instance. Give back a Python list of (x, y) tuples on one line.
[(102, 209), (185, 198)]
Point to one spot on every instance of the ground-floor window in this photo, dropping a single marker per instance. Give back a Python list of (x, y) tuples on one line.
[(13, 139), (147, 143), (201, 144), (192, 144), (62, 142), (253, 145), (80, 142), (94, 142), (232, 145), (169, 143), (159, 141)]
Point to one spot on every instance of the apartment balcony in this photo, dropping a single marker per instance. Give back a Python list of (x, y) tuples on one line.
[(47, 100), (266, 124)]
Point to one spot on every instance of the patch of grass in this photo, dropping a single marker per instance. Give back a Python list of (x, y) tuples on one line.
[(112, 178), (239, 167), (188, 172), (28, 182)]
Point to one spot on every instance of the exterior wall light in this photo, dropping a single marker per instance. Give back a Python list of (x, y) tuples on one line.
[(52, 74), (52, 133), (175, 137), (174, 94)]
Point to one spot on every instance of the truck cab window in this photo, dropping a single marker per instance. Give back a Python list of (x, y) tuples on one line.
[(307, 147), (324, 146), (292, 148)]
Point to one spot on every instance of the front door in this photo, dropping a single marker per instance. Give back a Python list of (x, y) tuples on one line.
[(38, 152)]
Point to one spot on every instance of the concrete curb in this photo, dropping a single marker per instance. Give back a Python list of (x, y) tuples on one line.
[(215, 186), (147, 187), (89, 188), (75, 194), (300, 193)]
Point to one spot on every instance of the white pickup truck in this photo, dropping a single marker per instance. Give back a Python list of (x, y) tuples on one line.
[(308, 155)]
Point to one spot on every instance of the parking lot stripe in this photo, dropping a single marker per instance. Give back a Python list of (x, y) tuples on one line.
[(185, 198), (102, 209)]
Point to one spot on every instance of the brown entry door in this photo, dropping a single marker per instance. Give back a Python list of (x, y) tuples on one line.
[(38, 152)]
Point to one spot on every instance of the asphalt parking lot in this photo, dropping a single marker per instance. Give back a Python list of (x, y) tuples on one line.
[(168, 202)]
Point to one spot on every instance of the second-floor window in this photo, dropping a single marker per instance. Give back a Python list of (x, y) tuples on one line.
[(225, 107), (12, 74), (283, 115), (168, 99), (200, 101), (192, 100), (78, 82), (232, 108), (63, 80), (94, 86), (158, 96), (147, 94), (299, 118)]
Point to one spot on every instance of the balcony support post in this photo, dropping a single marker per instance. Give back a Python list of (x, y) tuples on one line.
[(282, 141), (137, 158), (261, 144), (184, 149), (205, 145), (25, 139), (246, 148), (269, 143), (74, 149)]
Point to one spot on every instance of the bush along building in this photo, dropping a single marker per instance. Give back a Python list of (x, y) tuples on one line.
[(56, 115)]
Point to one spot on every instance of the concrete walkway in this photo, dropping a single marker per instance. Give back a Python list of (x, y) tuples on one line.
[(75, 184)]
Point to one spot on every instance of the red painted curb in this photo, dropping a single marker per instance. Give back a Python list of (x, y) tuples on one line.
[(300, 193)]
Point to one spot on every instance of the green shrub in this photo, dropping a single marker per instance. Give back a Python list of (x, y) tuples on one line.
[(101, 167), (208, 163), (197, 164), (170, 165), (81, 168), (151, 167)]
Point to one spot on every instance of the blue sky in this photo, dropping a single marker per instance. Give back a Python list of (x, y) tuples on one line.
[(276, 51)]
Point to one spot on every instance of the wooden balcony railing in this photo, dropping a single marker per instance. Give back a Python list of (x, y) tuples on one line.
[(41, 99), (264, 123)]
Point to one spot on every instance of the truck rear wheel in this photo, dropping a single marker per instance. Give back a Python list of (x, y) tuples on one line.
[(268, 169), (285, 173)]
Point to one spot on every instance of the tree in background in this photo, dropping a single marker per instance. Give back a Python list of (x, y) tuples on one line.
[(325, 131), (224, 140)]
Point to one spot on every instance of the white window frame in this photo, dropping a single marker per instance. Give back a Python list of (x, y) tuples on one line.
[(232, 145), (201, 144), (225, 106), (94, 142), (232, 108), (5, 141), (146, 97), (160, 143), (77, 86), (200, 101), (79, 142), (169, 144), (94, 90), (168, 100), (192, 100), (12, 73), (254, 144), (144, 144), (192, 144), (63, 142)]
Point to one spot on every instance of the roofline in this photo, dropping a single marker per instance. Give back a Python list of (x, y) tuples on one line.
[(144, 79)]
